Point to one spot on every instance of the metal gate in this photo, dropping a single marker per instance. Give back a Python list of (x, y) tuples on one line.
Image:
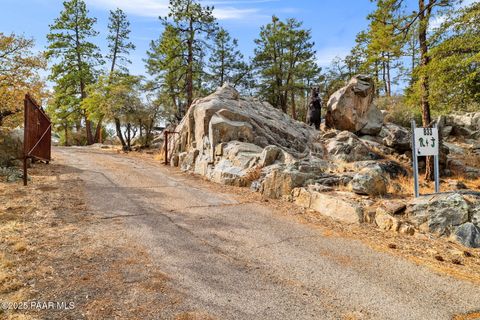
[(37, 141)]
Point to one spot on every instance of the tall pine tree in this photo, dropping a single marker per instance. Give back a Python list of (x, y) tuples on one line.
[(76, 56), (193, 23), (285, 61), (226, 63)]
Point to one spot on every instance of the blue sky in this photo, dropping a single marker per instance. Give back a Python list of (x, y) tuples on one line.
[(334, 23)]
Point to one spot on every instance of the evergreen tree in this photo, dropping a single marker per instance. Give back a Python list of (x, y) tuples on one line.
[(226, 61), (118, 41), (76, 57), (193, 24), (384, 48), (119, 47), (454, 62), (421, 19), (167, 63), (285, 61)]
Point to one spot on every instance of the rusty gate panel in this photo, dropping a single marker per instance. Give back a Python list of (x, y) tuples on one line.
[(38, 131), (37, 141)]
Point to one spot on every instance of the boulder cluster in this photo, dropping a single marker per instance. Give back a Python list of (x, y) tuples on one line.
[(340, 170)]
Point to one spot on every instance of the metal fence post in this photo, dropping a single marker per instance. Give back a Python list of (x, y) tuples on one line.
[(415, 161), (166, 147), (436, 170)]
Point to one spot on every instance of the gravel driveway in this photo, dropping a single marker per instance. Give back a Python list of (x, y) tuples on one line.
[(231, 259)]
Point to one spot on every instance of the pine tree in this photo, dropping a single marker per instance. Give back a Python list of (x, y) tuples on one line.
[(454, 62), (118, 41), (421, 20), (193, 23), (167, 63), (385, 45), (285, 61), (119, 47), (76, 57), (226, 61)]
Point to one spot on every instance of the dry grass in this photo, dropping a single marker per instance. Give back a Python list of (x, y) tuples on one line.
[(52, 249), (343, 166), (468, 316), (253, 174), (404, 186)]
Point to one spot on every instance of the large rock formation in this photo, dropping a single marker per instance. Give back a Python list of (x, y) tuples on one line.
[(225, 116), (244, 142), (226, 137), (351, 108)]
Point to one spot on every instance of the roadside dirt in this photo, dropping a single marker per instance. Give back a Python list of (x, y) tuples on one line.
[(53, 250)]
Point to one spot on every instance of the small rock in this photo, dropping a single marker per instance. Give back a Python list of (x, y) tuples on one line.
[(457, 185), (407, 229), (369, 182), (385, 221), (469, 235)]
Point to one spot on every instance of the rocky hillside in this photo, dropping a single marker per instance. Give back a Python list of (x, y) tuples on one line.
[(355, 169)]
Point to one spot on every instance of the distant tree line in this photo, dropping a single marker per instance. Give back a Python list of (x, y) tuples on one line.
[(433, 67)]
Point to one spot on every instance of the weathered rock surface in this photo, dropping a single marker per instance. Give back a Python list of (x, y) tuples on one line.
[(338, 205), (396, 137), (370, 181), (347, 147), (282, 181), (11, 146), (441, 213), (351, 108), (469, 235), (225, 116), (388, 168), (225, 137), (447, 214), (464, 124)]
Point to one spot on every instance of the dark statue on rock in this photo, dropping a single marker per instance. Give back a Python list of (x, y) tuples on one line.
[(314, 114)]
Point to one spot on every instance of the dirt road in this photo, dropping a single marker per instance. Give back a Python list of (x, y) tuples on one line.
[(234, 259)]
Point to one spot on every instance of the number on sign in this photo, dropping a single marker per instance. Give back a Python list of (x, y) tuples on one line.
[(427, 131)]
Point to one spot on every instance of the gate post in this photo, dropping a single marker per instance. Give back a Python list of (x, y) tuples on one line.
[(166, 147)]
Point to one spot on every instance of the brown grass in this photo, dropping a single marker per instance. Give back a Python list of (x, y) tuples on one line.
[(404, 186), (52, 249), (468, 316), (253, 174)]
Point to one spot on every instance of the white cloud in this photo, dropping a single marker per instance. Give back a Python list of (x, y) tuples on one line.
[(230, 13), (326, 55), (145, 8), (155, 8), (437, 21)]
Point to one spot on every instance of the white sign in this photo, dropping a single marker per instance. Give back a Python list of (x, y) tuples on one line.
[(426, 141)]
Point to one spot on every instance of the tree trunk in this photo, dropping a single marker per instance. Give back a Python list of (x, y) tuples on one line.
[(66, 136), (190, 65), (384, 74), (424, 80), (389, 80), (118, 128), (98, 131), (294, 107)]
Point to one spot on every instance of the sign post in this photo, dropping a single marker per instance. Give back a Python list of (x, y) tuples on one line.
[(425, 142)]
